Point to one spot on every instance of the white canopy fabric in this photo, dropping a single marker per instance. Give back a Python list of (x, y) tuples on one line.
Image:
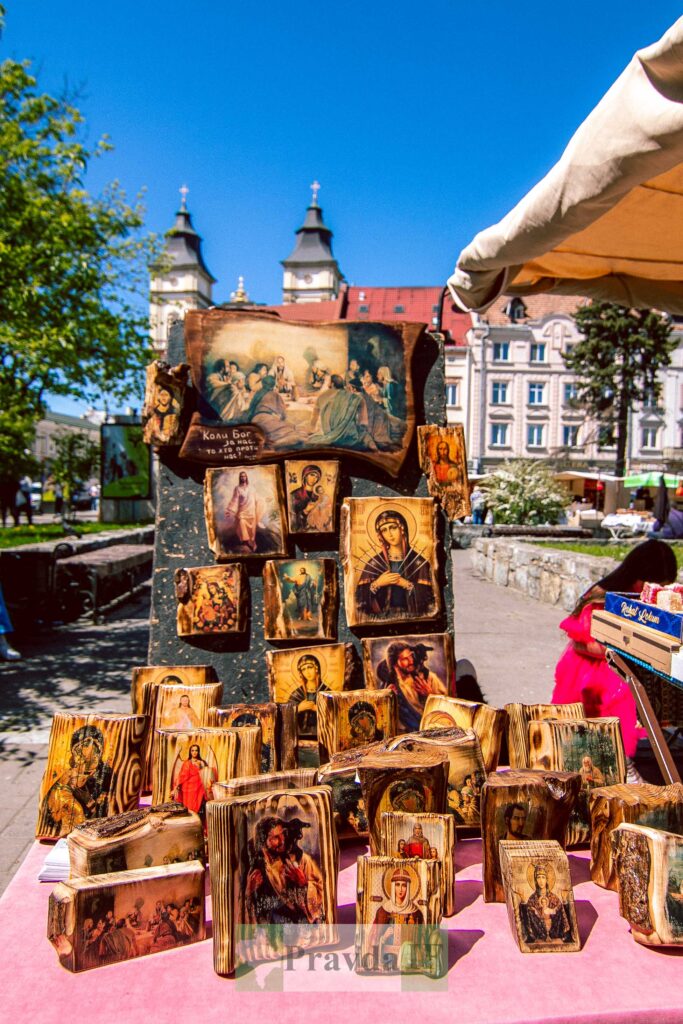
[(607, 220)]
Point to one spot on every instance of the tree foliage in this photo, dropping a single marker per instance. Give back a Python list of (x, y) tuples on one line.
[(524, 491), (616, 364), (77, 459), (73, 266)]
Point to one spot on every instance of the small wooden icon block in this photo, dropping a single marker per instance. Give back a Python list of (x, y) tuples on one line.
[(519, 716), (212, 600), (94, 769), (429, 836), (413, 667), (593, 747), (146, 837), (636, 803), (296, 676), (649, 865), (278, 730), (254, 840), (488, 723), (300, 599), (249, 744), (311, 486), (163, 411), (188, 763), (170, 706), (341, 775), (388, 550), (443, 460), (104, 919), (168, 675), (539, 896), (521, 805), (297, 778), (466, 772), (398, 913), (353, 718), (244, 509), (412, 782)]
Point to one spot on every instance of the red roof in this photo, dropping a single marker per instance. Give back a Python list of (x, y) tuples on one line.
[(416, 304)]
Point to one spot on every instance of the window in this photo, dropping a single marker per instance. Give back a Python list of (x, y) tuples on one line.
[(648, 437), (570, 392), (569, 347), (538, 352), (399, 309), (363, 309), (536, 393), (500, 392), (534, 435), (570, 436), (501, 351), (499, 434), (451, 394), (649, 400), (606, 437)]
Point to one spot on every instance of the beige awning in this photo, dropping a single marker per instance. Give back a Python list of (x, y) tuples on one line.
[(607, 220)]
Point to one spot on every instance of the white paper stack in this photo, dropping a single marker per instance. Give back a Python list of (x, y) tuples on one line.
[(56, 865)]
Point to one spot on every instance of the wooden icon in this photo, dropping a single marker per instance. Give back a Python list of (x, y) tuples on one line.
[(249, 746), (637, 803), (488, 723), (519, 716), (311, 489), (300, 599), (274, 738), (169, 675), (244, 509), (443, 460), (466, 772), (413, 667), (593, 747), (170, 706), (518, 805), (296, 677), (163, 419), (297, 778), (104, 919), (539, 896), (398, 913), (388, 551), (94, 769), (341, 775), (410, 781), (274, 860), (212, 599), (188, 763), (145, 837), (649, 864), (429, 836), (353, 718), (275, 387)]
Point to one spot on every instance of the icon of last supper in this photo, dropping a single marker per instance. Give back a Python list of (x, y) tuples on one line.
[(284, 387)]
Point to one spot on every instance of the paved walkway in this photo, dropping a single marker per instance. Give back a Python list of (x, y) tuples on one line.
[(513, 641)]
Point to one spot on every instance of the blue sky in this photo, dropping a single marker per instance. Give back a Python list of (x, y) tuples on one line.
[(423, 122)]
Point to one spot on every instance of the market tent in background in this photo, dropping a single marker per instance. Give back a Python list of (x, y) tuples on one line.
[(651, 479), (607, 220)]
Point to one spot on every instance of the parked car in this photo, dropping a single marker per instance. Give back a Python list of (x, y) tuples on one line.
[(81, 500), (36, 496)]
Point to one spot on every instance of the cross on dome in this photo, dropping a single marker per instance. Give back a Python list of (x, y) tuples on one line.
[(184, 190), (315, 188)]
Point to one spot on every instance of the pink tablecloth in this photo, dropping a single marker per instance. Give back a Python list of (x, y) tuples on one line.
[(489, 980)]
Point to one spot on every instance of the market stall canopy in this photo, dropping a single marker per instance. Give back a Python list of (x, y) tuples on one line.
[(607, 220), (650, 479)]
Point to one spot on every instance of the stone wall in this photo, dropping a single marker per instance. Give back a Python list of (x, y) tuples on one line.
[(547, 574)]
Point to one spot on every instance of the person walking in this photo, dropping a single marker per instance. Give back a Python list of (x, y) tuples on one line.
[(7, 652)]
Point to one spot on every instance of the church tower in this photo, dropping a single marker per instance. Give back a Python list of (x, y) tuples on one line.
[(311, 273), (184, 282)]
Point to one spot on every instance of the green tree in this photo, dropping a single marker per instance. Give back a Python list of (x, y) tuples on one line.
[(524, 491), (74, 278), (616, 364), (77, 459)]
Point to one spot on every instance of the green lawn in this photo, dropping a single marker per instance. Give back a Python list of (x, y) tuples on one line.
[(616, 551), (14, 536)]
